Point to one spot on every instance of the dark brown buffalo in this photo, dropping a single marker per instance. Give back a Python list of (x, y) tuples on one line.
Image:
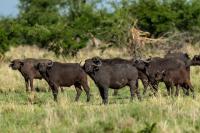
[(170, 61), (176, 77), (195, 60), (179, 55), (27, 69), (113, 76), (64, 75), (155, 65)]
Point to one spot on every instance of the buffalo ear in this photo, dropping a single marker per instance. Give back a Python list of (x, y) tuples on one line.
[(97, 61), (49, 63)]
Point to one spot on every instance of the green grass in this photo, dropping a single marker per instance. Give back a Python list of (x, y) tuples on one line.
[(23, 113), (160, 114)]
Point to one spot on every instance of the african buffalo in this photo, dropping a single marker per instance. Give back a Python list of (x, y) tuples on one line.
[(155, 65), (170, 61), (27, 69), (176, 77), (179, 55), (115, 76), (195, 61), (64, 75), (114, 61)]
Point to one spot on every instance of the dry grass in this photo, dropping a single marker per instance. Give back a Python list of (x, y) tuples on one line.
[(18, 114)]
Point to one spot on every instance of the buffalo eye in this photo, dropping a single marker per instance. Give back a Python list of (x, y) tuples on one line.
[(96, 68)]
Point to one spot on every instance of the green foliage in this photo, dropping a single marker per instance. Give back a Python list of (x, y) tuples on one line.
[(10, 34), (43, 12), (159, 17), (64, 26)]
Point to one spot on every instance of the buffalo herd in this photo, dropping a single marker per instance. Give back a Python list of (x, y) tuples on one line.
[(173, 70)]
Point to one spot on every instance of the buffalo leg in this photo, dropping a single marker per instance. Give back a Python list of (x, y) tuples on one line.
[(185, 90), (87, 91), (145, 85), (104, 94), (191, 89), (27, 85), (115, 93), (62, 90), (172, 90), (55, 92), (31, 84), (177, 90), (78, 92), (134, 89), (132, 92), (168, 87), (154, 88)]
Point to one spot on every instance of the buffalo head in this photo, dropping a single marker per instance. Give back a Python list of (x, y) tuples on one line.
[(16, 64), (141, 64), (92, 65), (44, 66), (196, 60), (160, 75)]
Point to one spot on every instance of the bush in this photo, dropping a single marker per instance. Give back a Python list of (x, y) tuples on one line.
[(63, 26)]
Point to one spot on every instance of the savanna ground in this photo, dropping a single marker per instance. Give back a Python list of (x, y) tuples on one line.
[(22, 112)]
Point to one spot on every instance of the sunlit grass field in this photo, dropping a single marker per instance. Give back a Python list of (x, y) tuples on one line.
[(37, 112)]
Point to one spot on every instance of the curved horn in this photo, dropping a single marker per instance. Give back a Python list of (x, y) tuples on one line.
[(97, 61), (96, 58), (146, 61), (50, 63)]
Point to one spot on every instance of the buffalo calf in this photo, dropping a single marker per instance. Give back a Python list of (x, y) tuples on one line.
[(154, 65), (27, 69), (176, 77)]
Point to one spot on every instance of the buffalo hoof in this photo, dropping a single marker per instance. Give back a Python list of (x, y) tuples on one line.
[(105, 102)]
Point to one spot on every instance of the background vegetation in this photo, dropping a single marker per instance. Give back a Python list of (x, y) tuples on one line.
[(64, 26)]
